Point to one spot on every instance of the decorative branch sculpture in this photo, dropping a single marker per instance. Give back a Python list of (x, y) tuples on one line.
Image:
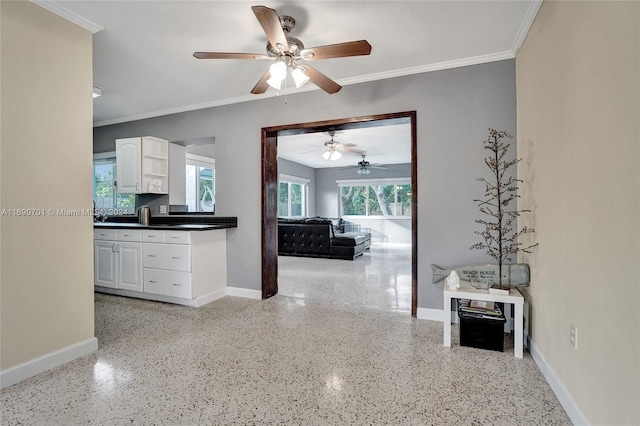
[(500, 237)]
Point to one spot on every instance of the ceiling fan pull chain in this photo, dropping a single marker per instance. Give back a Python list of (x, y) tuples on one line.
[(286, 99)]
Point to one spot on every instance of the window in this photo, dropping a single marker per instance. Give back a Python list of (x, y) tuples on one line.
[(200, 181), (105, 193), (385, 197), (292, 196)]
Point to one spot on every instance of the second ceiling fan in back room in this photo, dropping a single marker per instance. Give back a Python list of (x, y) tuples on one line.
[(288, 52), (364, 167)]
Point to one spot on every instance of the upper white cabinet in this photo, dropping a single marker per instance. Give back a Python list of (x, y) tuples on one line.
[(143, 165)]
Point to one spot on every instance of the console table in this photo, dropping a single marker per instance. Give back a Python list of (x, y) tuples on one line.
[(467, 292)]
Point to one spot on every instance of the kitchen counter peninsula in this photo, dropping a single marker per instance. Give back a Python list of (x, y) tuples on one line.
[(178, 259)]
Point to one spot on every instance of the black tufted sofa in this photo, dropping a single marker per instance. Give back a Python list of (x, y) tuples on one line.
[(320, 237)]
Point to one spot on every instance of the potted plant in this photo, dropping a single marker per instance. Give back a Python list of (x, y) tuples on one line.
[(500, 235)]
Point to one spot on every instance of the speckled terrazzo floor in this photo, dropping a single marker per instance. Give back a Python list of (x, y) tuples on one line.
[(286, 360)]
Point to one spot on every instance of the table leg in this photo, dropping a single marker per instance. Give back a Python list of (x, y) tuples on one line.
[(447, 321), (518, 330), (508, 326)]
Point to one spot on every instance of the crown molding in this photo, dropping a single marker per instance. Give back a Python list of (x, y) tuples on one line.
[(70, 16), (527, 22)]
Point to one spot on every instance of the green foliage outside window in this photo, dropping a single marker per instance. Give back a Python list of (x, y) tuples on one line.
[(104, 191), (291, 199), (376, 200)]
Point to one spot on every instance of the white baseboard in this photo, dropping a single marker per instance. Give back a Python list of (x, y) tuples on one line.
[(31, 368), (435, 315), (244, 292), (430, 314), (569, 405), (210, 297)]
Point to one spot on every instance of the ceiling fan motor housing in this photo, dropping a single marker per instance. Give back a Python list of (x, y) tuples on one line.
[(295, 46)]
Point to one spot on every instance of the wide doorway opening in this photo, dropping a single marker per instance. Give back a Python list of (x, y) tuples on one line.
[(369, 197)]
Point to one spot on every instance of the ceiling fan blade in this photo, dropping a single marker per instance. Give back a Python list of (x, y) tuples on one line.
[(313, 150), (224, 55), (262, 85), (339, 50), (270, 22), (377, 167), (354, 151), (321, 80)]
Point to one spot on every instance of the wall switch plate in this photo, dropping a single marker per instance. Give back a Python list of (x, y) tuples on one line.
[(163, 209), (573, 338)]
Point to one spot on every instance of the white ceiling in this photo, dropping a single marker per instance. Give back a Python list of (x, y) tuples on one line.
[(307, 148), (143, 49)]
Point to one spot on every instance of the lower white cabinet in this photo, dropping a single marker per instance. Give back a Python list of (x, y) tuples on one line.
[(118, 264), (168, 283), (186, 267)]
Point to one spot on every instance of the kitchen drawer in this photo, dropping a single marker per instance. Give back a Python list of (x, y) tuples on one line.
[(153, 255), (129, 234), (175, 257), (176, 237), (104, 234), (152, 236), (167, 283)]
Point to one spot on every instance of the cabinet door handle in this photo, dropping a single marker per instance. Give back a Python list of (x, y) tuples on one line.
[(176, 257), (153, 255), (113, 248), (103, 235), (118, 248), (151, 236), (177, 285), (153, 282), (126, 235), (137, 187), (175, 238)]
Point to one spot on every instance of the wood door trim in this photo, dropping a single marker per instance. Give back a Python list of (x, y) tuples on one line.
[(269, 148)]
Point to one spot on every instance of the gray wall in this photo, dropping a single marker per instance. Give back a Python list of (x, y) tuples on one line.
[(300, 170), (454, 109)]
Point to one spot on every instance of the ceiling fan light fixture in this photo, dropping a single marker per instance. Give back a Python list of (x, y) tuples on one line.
[(363, 171), (331, 155), (278, 72), (299, 76)]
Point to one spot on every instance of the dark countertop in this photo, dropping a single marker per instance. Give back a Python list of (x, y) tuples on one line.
[(171, 223), (165, 226)]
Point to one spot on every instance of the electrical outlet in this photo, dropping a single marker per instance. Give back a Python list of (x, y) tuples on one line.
[(573, 338), (163, 209)]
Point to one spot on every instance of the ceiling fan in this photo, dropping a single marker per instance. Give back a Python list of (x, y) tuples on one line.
[(364, 167), (288, 51), (334, 149)]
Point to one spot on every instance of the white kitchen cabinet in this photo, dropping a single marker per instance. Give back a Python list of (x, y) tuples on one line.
[(129, 266), (118, 263), (142, 165), (184, 267), (105, 264)]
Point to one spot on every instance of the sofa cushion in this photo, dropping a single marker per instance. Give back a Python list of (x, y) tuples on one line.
[(348, 239)]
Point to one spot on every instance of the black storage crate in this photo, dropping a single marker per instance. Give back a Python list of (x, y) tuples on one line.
[(482, 333)]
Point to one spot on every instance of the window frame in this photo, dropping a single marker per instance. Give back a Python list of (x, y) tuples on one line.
[(295, 180), (367, 183), (201, 162), (109, 157)]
